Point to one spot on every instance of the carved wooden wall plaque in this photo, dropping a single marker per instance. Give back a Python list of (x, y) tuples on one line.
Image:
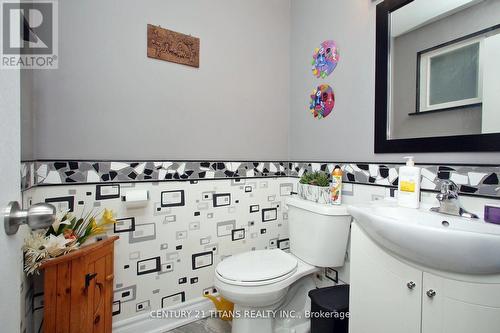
[(173, 46)]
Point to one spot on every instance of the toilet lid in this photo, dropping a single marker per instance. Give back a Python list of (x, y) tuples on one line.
[(255, 266)]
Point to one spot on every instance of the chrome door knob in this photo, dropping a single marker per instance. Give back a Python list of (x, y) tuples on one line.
[(38, 216), (431, 293), (411, 285)]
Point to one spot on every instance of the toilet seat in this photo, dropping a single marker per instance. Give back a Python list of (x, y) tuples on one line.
[(265, 292), (255, 268), (255, 283)]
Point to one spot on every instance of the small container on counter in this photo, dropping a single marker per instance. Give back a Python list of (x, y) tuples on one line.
[(336, 186), (492, 213)]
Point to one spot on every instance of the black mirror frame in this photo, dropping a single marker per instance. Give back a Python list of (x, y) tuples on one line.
[(456, 143)]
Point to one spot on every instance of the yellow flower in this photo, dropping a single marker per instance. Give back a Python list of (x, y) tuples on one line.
[(107, 218), (93, 222), (97, 231)]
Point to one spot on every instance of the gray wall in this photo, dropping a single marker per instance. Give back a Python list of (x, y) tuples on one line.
[(108, 100), (347, 134), (405, 49)]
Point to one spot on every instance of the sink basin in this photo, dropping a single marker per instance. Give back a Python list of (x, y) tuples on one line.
[(443, 242)]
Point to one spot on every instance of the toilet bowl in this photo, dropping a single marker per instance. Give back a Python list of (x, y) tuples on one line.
[(269, 287), (259, 283), (259, 278)]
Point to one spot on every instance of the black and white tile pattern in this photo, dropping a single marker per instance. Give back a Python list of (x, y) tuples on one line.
[(78, 172), (168, 249), (27, 175), (167, 253), (472, 180)]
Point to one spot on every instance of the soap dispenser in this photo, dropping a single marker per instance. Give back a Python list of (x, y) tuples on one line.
[(409, 184)]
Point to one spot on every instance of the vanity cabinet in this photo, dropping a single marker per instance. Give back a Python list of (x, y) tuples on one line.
[(389, 295), (460, 306), (385, 294)]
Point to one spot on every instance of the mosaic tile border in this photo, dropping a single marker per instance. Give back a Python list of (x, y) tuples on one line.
[(27, 175), (83, 172), (473, 180)]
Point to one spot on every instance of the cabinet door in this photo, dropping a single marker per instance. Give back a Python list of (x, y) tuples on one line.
[(382, 297), (98, 305), (459, 307), (100, 297)]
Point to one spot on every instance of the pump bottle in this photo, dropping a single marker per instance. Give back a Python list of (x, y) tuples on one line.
[(409, 184)]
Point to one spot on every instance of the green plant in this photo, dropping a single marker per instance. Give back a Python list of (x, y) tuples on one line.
[(306, 178), (315, 178)]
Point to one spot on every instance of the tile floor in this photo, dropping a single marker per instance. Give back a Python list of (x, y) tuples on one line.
[(207, 325)]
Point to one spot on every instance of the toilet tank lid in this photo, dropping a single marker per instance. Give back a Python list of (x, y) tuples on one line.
[(323, 209)]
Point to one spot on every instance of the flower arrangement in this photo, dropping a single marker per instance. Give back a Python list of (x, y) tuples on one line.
[(66, 234)]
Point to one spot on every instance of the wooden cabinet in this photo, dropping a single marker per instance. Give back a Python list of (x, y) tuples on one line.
[(388, 295), (78, 290)]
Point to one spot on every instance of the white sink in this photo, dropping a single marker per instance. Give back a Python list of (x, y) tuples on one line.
[(443, 242)]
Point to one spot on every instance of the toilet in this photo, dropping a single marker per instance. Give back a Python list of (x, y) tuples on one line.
[(269, 287)]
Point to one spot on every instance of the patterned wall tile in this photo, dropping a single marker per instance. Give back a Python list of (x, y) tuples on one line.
[(472, 180), (78, 172), (168, 250), (27, 175)]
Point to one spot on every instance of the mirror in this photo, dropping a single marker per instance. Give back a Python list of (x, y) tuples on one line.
[(438, 76)]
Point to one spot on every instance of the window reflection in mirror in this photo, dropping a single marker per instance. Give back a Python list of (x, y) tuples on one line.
[(444, 69)]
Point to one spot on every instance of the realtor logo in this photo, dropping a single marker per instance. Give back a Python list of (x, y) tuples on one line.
[(29, 34)]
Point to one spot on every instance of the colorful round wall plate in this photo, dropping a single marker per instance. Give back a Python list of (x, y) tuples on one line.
[(325, 59), (322, 101)]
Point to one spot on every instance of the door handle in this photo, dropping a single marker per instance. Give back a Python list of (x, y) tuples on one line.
[(431, 293), (89, 277), (38, 216)]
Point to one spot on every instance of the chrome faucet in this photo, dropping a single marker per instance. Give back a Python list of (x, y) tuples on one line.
[(449, 202)]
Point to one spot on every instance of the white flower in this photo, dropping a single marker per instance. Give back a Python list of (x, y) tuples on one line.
[(38, 249), (35, 240), (58, 221), (56, 242)]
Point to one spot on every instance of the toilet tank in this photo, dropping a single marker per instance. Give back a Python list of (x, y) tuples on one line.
[(318, 232)]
